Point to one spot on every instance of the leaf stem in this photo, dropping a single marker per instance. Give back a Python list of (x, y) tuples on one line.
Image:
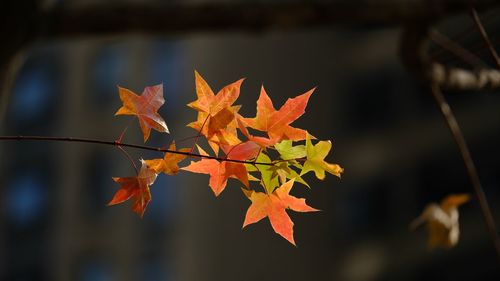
[(199, 133), (125, 152), (129, 159), (121, 144)]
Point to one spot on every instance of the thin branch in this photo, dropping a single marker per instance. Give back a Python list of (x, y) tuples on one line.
[(462, 35), (469, 164), (444, 42), (117, 143), (485, 36)]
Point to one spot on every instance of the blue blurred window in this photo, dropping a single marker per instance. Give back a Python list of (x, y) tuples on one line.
[(26, 199)]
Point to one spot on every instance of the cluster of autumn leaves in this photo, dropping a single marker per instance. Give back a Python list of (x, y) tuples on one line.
[(240, 155), (236, 153)]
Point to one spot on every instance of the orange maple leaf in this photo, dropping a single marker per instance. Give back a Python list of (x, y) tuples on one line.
[(210, 103), (220, 172), (262, 141), (216, 115), (145, 107), (169, 163), (219, 129), (137, 188), (276, 123), (274, 206)]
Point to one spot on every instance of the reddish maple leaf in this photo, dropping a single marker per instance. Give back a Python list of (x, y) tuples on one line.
[(221, 171), (276, 123), (145, 107), (136, 188), (169, 163), (274, 206)]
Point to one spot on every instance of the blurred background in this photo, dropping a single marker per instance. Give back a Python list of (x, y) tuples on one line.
[(386, 130)]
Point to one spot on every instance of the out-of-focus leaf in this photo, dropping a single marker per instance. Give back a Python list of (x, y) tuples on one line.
[(442, 221)]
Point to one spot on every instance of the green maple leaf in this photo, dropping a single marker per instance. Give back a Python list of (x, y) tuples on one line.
[(315, 155), (288, 152), (268, 180), (283, 170)]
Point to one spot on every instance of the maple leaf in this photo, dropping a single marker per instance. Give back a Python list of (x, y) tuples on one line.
[(274, 207), (262, 141), (442, 221), (219, 129), (137, 188), (216, 115), (267, 174), (276, 123), (221, 171), (169, 163), (145, 107), (210, 103), (287, 151), (283, 170), (315, 159)]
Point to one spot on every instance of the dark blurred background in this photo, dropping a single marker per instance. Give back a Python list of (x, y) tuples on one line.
[(387, 133)]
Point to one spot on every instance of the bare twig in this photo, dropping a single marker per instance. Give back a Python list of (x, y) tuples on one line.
[(469, 164), (120, 144), (456, 49), (485, 36), (462, 35)]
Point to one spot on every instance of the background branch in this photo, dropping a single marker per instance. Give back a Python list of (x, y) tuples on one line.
[(485, 36), (452, 123), (414, 48)]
